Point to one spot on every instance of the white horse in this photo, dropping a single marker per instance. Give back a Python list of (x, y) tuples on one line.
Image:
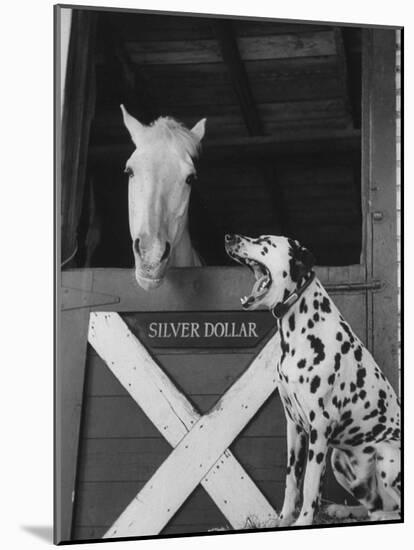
[(161, 171)]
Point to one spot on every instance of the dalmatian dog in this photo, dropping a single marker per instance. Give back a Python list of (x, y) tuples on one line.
[(334, 394)]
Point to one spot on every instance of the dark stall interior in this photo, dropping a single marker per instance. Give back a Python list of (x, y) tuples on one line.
[(282, 151)]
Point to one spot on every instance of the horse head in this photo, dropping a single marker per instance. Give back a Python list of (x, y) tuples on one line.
[(161, 171)]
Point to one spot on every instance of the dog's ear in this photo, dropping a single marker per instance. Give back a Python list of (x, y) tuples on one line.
[(301, 260)]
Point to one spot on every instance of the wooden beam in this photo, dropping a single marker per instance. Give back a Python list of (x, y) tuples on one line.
[(231, 56), (344, 74), (286, 142)]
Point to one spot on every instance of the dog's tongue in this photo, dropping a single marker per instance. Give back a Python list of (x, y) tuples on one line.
[(259, 286)]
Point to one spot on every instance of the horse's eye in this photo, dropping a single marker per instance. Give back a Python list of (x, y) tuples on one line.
[(128, 170), (191, 179)]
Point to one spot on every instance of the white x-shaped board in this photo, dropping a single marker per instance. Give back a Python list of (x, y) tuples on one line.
[(200, 443)]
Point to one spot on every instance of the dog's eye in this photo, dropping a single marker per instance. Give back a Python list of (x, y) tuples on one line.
[(191, 179), (128, 170)]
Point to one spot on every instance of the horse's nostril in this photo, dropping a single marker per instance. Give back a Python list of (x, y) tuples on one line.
[(166, 251), (136, 247)]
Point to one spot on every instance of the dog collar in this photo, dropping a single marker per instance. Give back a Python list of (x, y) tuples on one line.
[(281, 308)]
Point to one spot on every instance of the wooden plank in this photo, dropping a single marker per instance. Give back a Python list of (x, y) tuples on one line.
[(103, 501), (174, 51), (119, 417), (343, 74), (231, 56), (383, 199), (111, 460), (226, 120), (307, 44), (157, 27), (173, 415), (185, 289), (69, 384), (286, 142), (263, 27), (97, 493), (201, 450), (192, 372), (301, 110), (253, 47)]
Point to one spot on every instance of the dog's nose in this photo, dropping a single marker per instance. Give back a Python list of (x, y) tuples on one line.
[(230, 238)]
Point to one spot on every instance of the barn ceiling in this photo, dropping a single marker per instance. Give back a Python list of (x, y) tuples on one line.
[(248, 78)]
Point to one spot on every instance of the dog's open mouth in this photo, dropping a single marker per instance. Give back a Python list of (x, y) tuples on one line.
[(262, 276)]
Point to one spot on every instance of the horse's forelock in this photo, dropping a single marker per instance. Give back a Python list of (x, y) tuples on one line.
[(169, 128)]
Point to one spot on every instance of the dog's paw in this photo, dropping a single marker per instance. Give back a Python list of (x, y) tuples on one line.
[(341, 511)]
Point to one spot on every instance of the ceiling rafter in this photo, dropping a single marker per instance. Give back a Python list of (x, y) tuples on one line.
[(240, 80)]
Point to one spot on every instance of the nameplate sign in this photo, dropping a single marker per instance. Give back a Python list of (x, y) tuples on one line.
[(201, 329)]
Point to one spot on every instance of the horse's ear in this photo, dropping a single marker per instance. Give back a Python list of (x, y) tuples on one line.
[(199, 129), (133, 125)]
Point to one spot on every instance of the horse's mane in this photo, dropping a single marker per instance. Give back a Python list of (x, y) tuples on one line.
[(169, 128)]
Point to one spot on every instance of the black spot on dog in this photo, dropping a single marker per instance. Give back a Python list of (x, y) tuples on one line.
[(301, 461), (372, 414), (358, 353), (345, 347), (354, 429), (303, 308), (316, 304), (284, 274), (292, 322), (301, 379), (361, 374), (325, 305), (313, 435), (331, 379), (362, 394), (339, 336), (312, 416), (310, 323), (320, 457), (347, 330), (310, 455), (316, 317), (318, 347), (337, 364), (302, 364), (315, 383), (342, 385), (368, 450), (377, 429)]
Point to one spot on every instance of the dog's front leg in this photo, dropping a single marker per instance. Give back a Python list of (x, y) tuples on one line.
[(296, 457), (315, 469)]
